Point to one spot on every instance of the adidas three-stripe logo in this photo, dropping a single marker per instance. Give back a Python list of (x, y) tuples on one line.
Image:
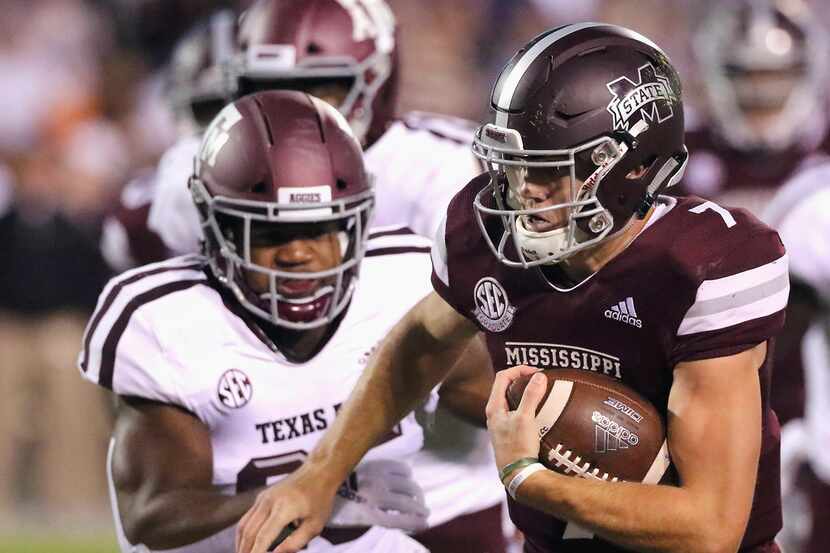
[(624, 312)]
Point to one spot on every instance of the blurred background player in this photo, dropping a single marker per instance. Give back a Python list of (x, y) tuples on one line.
[(196, 92), (801, 213), (345, 53), (229, 365), (763, 73)]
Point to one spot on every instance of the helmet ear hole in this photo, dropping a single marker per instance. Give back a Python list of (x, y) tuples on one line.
[(258, 188), (341, 184), (313, 49)]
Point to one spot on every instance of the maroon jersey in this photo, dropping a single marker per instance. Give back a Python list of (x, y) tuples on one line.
[(699, 282), (127, 239)]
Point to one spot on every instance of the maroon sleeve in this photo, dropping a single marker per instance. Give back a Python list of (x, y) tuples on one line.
[(740, 300), (457, 247)]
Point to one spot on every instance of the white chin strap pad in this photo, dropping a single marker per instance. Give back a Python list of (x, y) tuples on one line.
[(538, 245)]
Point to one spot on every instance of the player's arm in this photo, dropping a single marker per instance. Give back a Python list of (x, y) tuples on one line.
[(417, 354), (714, 434), (465, 390), (162, 469)]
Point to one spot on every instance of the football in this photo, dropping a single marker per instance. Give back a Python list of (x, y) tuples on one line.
[(593, 426)]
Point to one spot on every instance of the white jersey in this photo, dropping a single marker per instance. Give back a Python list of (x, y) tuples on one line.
[(418, 165), (163, 332), (800, 212)]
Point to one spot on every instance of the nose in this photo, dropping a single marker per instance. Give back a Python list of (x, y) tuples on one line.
[(293, 254), (534, 192), (539, 193)]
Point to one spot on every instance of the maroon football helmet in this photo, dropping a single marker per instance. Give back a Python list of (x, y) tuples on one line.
[(595, 107), (198, 88), (299, 44), (282, 162)]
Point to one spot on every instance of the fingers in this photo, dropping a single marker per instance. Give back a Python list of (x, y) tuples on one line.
[(298, 539), (533, 394), (249, 525), (261, 527), (273, 527), (498, 394), (497, 402)]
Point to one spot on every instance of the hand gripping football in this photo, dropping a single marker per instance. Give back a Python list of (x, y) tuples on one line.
[(593, 426)]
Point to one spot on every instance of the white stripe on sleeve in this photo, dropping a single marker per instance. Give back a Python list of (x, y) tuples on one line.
[(439, 253), (738, 298)]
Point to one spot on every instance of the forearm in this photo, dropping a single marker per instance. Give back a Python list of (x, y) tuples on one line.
[(409, 364), (181, 517), (637, 516), (466, 389)]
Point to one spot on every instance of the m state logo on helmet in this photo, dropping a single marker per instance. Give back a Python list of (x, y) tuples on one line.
[(597, 103), (294, 43), (275, 158), (650, 98)]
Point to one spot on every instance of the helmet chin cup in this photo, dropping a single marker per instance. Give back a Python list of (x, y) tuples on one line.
[(541, 245), (304, 312)]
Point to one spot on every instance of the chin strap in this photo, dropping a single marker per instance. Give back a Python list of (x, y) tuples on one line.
[(671, 171)]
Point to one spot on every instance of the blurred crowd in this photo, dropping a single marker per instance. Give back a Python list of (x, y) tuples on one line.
[(87, 95)]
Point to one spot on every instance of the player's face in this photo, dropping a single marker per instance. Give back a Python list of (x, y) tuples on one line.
[(762, 95), (545, 188), (294, 248)]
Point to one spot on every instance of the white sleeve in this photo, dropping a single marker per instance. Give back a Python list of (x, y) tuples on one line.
[(173, 215), (121, 347), (804, 232), (417, 173)]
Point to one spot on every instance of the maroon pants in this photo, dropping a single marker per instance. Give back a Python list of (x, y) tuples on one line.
[(480, 532)]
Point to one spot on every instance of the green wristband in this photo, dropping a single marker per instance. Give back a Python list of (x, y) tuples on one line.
[(508, 469)]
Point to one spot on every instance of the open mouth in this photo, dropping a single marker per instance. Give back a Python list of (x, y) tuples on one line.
[(535, 223), (297, 288)]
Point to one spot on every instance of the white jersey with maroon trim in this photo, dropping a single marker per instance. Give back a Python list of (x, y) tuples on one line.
[(418, 164), (169, 333)]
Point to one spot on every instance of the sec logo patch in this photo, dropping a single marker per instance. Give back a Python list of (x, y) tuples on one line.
[(235, 389), (493, 310)]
